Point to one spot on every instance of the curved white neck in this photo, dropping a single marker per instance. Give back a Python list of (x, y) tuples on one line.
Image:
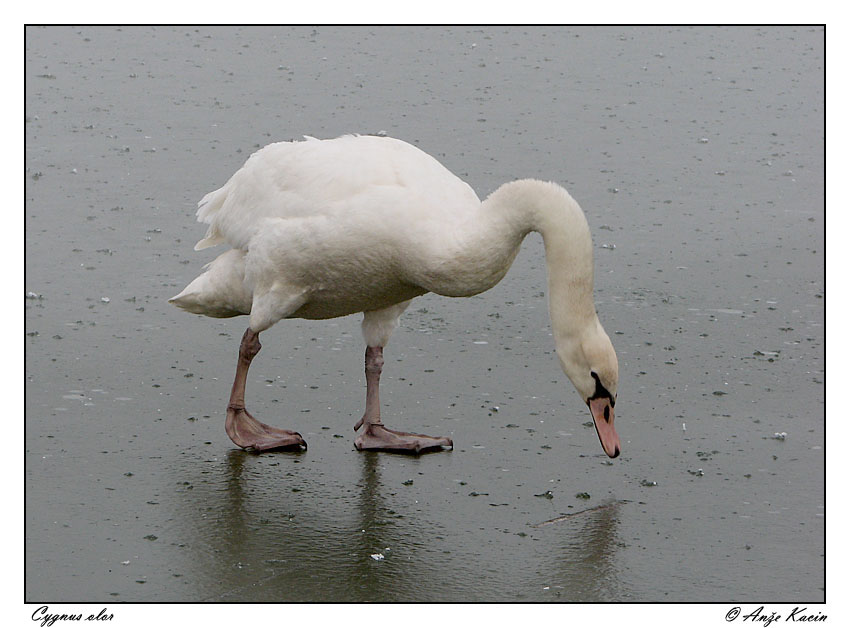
[(530, 205)]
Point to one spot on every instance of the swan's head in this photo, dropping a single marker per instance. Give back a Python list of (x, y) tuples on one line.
[(591, 364)]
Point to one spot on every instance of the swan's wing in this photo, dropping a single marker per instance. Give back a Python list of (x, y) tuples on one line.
[(322, 178)]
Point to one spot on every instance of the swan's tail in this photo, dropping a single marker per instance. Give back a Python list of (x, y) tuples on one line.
[(207, 209), (221, 291)]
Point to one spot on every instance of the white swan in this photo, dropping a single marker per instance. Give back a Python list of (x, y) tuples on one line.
[(326, 228)]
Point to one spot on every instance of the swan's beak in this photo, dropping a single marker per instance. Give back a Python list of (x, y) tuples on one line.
[(603, 418)]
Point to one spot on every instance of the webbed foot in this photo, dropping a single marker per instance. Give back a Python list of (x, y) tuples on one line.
[(378, 437), (253, 435)]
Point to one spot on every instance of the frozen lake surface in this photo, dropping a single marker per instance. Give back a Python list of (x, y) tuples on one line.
[(697, 155)]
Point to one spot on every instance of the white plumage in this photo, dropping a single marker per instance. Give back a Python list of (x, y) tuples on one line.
[(326, 228)]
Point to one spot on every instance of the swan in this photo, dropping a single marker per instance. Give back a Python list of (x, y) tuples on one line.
[(324, 228)]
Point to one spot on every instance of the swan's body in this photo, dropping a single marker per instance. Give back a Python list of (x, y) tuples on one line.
[(326, 228)]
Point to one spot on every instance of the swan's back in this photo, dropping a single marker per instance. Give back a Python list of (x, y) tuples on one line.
[(333, 178)]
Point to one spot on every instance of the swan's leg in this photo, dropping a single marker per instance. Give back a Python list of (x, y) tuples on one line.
[(375, 435), (377, 327), (244, 429)]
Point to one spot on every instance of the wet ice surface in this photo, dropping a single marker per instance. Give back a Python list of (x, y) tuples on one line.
[(697, 154)]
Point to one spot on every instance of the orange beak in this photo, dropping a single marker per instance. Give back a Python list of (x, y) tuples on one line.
[(603, 419)]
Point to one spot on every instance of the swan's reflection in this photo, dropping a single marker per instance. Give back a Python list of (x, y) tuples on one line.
[(369, 504), (290, 527), (585, 567), (274, 527)]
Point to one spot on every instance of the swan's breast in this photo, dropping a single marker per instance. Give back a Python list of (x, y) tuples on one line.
[(463, 263)]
